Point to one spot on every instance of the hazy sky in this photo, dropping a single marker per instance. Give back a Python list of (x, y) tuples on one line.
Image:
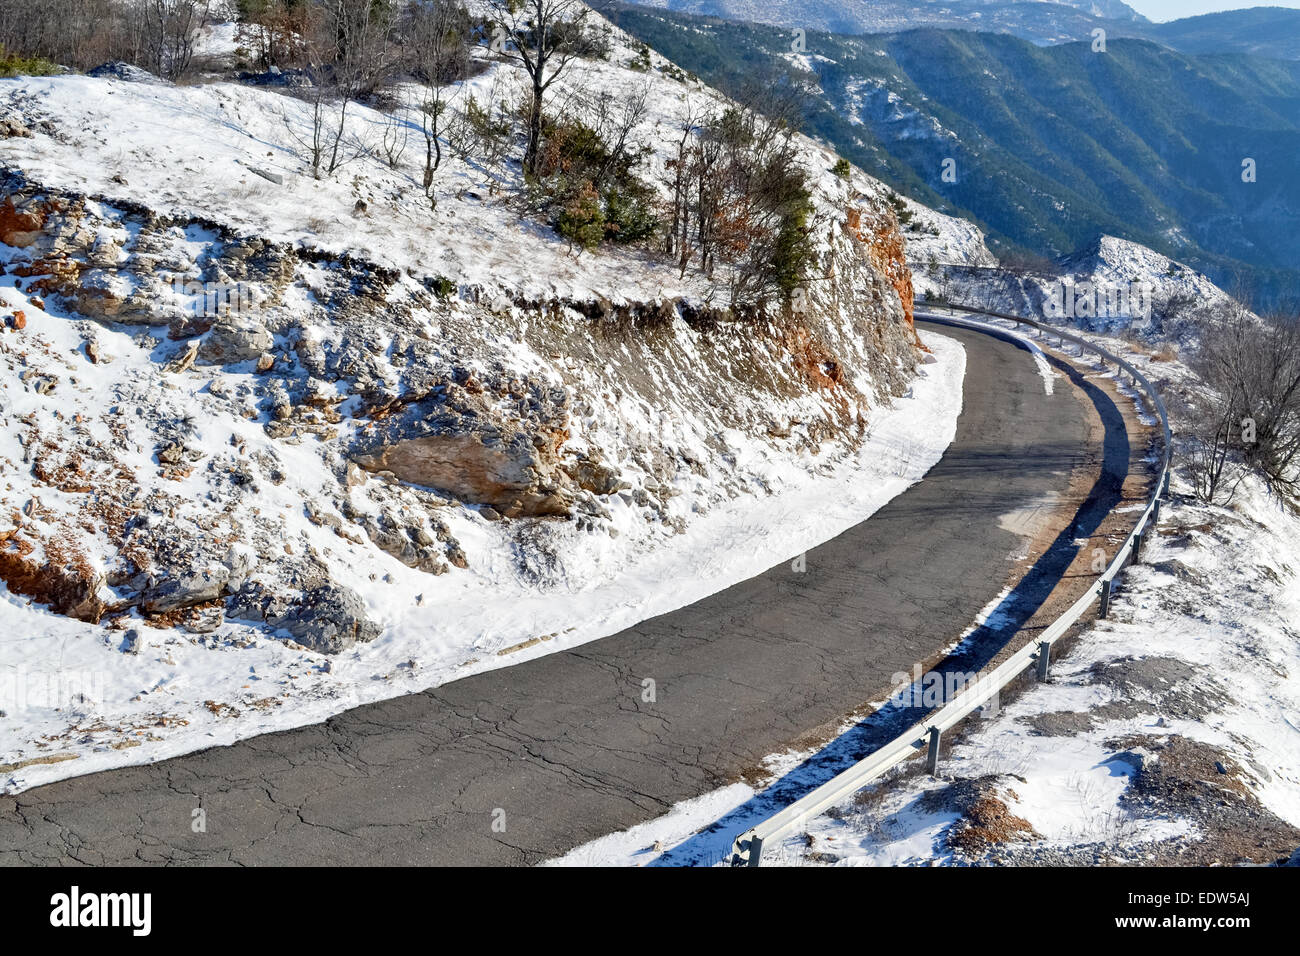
[(1173, 9)]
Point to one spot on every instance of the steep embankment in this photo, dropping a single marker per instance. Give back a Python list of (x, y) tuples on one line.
[(253, 417)]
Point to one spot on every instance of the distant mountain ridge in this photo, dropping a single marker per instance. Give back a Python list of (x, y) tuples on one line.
[(1052, 145), (1262, 31), (1041, 21)]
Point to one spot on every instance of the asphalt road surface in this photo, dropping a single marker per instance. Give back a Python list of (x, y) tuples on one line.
[(564, 745)]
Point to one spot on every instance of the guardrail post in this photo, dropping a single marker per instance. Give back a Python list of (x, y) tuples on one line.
[(755, 851), (932, 759), (1138, 540), (1155, 512), (1044, 659), (1106, 587)]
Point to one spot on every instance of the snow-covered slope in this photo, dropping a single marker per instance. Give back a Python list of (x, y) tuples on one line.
[(1127, 287), (277, 444), (935, 239)]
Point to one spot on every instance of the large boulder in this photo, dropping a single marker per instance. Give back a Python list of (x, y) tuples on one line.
[(185, 588), (21, 220), (235, 340), (498, 444), (12, 126), (511, 472), (327, 618), (594, 475)]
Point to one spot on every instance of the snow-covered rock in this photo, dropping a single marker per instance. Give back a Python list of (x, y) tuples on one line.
[(1114, 286)]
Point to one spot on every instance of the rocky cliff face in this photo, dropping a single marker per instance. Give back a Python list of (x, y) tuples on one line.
[(247, 428), (883, 242)]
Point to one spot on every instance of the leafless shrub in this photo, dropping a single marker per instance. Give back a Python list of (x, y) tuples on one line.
[(1249, 421), (482, 131), (394, 136), (170, 29), (438, 38)]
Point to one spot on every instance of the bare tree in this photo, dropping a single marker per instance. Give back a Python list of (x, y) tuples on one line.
[(273, 30), (544, 37), (364, 59), (679, 168), (438, 34), (1209, 430), (615, 120), (1250, 418), (1272, 402), (171, 29), (346, 47)]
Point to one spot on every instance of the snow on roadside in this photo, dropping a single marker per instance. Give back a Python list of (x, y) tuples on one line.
[(1218, 597), (169, 698), (1200, 645), (1045, 370)]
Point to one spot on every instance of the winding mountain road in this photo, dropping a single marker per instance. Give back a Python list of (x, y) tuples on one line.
[(563, 749)]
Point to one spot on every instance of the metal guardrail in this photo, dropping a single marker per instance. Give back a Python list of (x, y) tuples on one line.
[(926, 735)]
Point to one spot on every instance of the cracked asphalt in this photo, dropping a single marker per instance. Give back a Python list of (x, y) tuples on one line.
[(563, 749)]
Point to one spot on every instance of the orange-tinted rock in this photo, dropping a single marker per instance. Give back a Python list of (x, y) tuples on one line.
[(884, 244), (69, 586), (20, 227)]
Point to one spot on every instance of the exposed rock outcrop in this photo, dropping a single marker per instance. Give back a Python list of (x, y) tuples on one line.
[(69, 586), (391, 411), (327, 617), (231, 342), (22, 219), (503, 450), (883, 242)]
